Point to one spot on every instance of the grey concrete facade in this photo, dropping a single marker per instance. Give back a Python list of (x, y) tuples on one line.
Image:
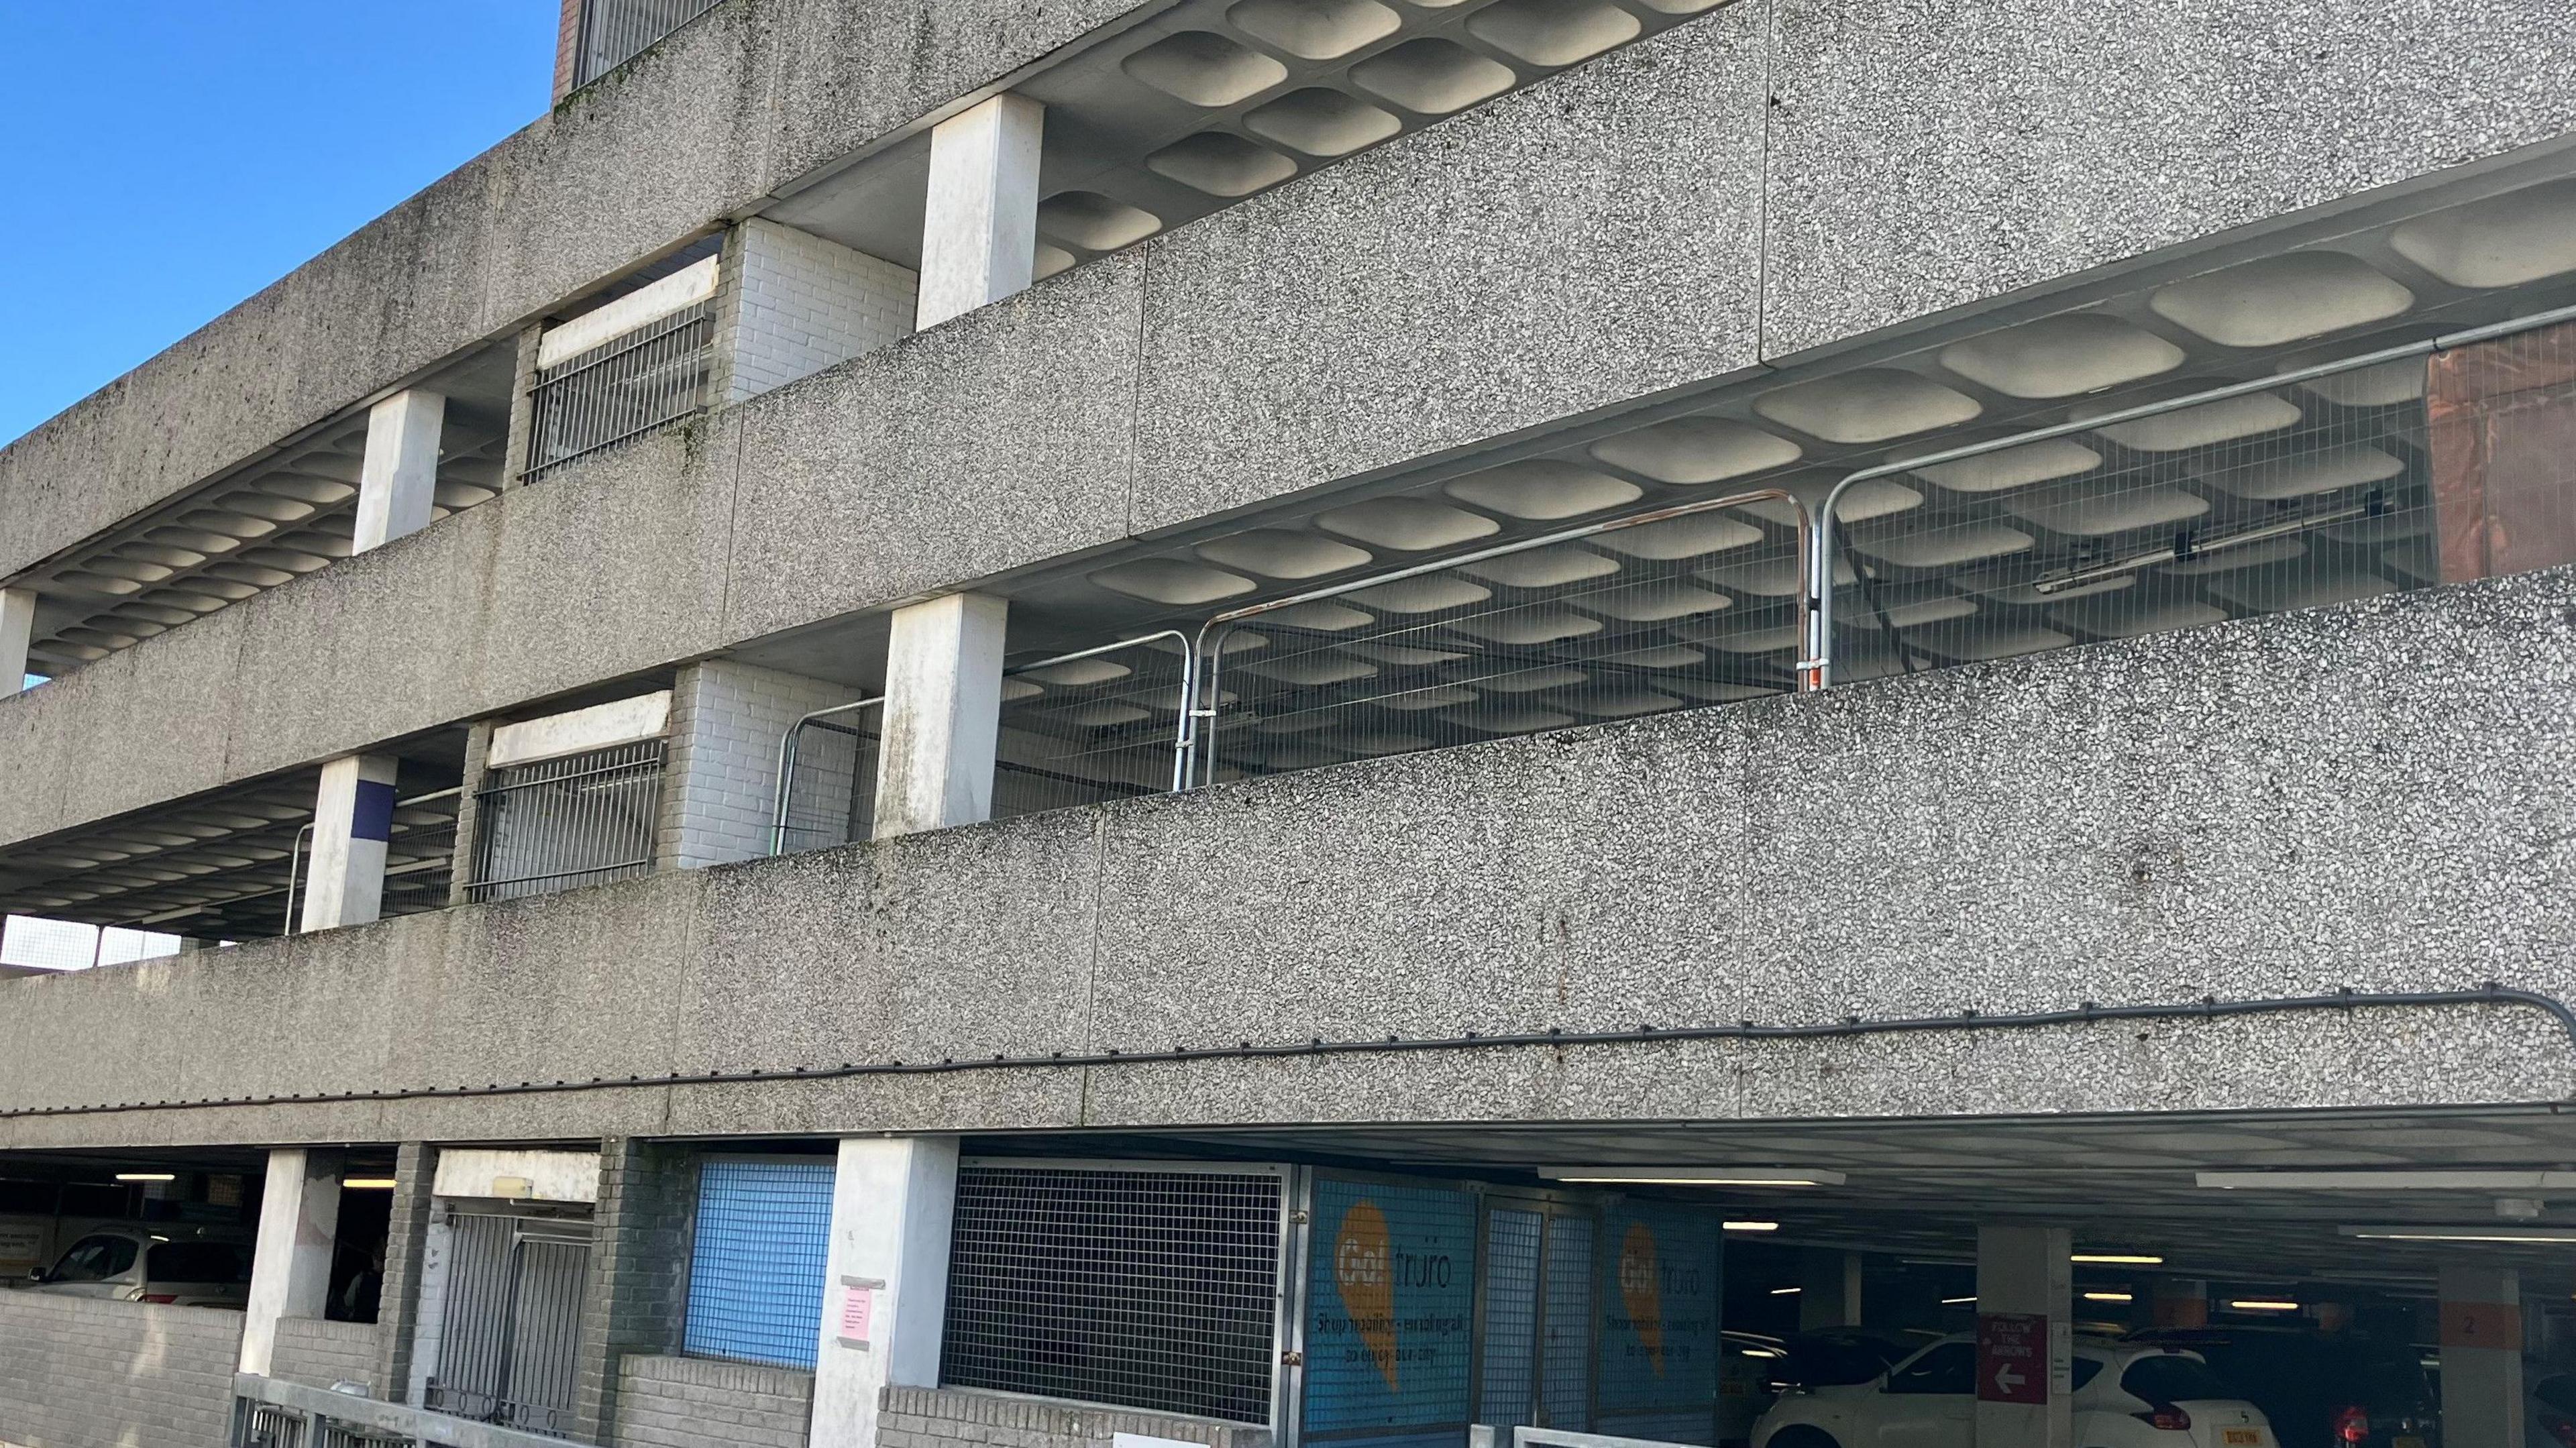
[(1225, 364), (77, 1372), (2256, 809)]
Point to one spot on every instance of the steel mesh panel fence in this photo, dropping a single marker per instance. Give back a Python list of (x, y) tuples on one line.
[(1641, 618), (622, 388), (1389, 1329), (561, 823), (2502, 441), (1512, 1240), (614, 32), (1086, 730), (756, 1269), (420, 855), (827, 781), (510, 1335), (1565, 1348), (1153, 1290)]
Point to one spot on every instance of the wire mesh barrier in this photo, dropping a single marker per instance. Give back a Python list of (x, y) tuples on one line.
[(582, 819), (1098, 725), (510, 1333), (1145, 1289), (614, 32), (757, 1267), (622, 388), (827, 778), (1697, 604), (420, 859)]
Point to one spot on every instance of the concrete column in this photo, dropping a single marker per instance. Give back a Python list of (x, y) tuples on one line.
[(523, 411), (943, 714), (979, 229), (637, 1293), (17, 630), (1828, 1289), (885, 1290), (299, 1222), (406, 1262), (353, 816), (2025, 1337), (398, 483), (469, 811), (2481, 1357)]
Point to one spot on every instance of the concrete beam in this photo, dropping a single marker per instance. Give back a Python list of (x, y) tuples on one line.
[(353, 812), (299, 1225), (885, 1291), (943, 714), (979, 230), (398, 482)]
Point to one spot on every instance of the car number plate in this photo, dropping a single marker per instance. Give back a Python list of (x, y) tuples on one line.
[(2251, 1437)]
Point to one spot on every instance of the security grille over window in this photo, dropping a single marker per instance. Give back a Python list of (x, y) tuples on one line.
[(756, 1272), (560, 823), (1147, 1289), (511, 1330), (614, 32), (624, 387)]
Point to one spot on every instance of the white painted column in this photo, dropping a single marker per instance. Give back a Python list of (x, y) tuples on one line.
[(398, 483), (353, 816), (2482, 1403), (17, 630), (2025, 1337), (943, 714), (979, 229), (299, 1222), (886, 1287)]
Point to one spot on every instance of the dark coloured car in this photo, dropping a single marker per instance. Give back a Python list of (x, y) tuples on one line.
[(2321, 1390)]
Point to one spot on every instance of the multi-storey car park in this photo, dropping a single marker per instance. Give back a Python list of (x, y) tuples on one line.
[(1334, 722)]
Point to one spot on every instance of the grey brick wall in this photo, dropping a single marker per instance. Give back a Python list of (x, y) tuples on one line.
[(638, 1291), (406, 1249), (963, 1418), (77, 1372), (726, 721), (795, 304), (321, 1354), (677, 1402)]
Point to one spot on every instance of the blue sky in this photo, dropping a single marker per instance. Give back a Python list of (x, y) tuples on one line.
[(165, 160)]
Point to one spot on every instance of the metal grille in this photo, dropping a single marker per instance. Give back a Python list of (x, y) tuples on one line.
[(614, 32), (1665, 610), (756, 1271), (261, 1425), (1565, 1349), (827, 779), (622, 388), (1512, 1241), (1145, 1289), (560, 823), (510, 1336), (1085, 728)]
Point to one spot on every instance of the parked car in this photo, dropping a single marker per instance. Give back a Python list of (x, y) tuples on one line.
[(2549, 1408), (143, 1265), (2341, 1390), (1755, 1368), (2127, 1395)]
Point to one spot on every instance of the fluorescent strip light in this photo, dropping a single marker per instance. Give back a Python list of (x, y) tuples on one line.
[(1786, 1291), (1956, 1301), (2263, 1304), (146, 1176), (1694, 1176), (2109, 1297), (1752, 1226), (1764, 1352), (2381, 1181), (2119, 1259), (368, 1184), (2536, 1236)]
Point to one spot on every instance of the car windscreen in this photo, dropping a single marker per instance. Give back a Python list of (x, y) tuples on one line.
[(1832, 1361), (2558, 1391), (95, 1259), (196, 1262), (2174, 1378)]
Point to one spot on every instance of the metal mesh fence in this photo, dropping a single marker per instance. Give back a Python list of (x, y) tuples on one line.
[(1147, 1289), (827, 779), (1663, 611), (560, 823), (1512, 1240), (622, 388), (614, 32), (510, 1333), (1092, 727), (420, 856), (1565, 1352), (757, 1267)]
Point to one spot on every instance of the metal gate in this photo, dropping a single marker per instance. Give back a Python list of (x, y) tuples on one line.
[(509, 1340), (1538, 1318)]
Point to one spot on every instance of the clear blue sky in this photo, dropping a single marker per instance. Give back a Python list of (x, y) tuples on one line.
[(161, 161)]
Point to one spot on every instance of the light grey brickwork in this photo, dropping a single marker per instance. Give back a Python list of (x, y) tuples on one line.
[(325, 1354), (726, 721), (77, 1372), (795, 304), (678, 1402), (956, 1418)]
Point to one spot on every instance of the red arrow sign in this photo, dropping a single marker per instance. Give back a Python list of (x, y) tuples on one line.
[(2012, 1358)]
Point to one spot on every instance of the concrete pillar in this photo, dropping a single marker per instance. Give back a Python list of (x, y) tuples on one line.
[(353, 816), (943, 714), (637, 1293), (885, 1289), (406, 1263), (2482, 1403), (469, 811), (17, 630), (398, 483), (1828, 1289), (299, 1223), (979, 229), (2025, 1337), (523, 410)]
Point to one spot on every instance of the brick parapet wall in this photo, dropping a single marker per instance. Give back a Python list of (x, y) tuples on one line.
[(964, 1418), (82, 1372), (324, 1354), (678, 1402)]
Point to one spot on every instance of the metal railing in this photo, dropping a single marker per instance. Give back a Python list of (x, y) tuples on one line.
[(623, 388), (827, 788), (510, 1326), (555, 824), (420, 858), (271, 1413), (1098, 724), (614, 32)]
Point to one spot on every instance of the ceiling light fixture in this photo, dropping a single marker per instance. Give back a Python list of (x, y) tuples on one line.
[(367, 1184), (2263, 1304), (1695, 1176), (2109, 1297), (2119, 1259), (2536, 1236), (1956, 1301), (1752, 1226), (146, 1176), (1786, 1291), (2381, 1181)]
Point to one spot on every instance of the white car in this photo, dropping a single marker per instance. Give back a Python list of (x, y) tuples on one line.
[(172, 1265), (2126, 1396)]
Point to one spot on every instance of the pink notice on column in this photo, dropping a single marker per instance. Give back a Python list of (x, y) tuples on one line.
[(858, 1304)]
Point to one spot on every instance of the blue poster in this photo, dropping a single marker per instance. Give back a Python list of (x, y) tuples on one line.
[(1390, 1297), (1659, 1323)]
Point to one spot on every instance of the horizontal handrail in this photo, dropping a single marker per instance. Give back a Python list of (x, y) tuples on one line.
[(367, 1413), (1189, 687)]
